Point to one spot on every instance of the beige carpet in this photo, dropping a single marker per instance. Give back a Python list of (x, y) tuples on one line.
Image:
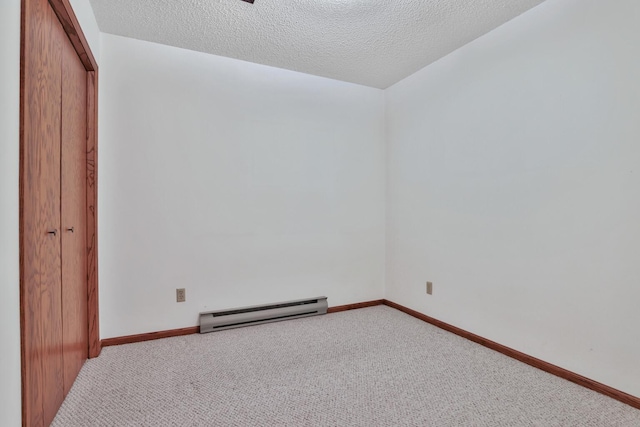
[(369, 367)]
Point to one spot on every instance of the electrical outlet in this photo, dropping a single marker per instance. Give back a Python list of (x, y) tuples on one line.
[(429, 288), (181, 295)]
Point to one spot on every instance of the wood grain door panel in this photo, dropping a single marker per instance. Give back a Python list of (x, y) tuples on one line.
[(42, 301), (51, 287), (58, 89), (73, 203)]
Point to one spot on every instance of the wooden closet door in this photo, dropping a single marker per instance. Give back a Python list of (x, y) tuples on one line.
[(41, 259), (57, 92), (73, 202)]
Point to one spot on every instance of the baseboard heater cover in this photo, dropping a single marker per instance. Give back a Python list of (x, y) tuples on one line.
[(245, 316)]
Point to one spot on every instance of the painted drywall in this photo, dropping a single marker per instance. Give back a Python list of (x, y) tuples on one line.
[(242, 183), (513, 185), (10, 413)]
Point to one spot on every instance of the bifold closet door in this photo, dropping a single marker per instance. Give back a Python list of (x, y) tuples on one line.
[(73, 204), (41, 235), (53, 224)]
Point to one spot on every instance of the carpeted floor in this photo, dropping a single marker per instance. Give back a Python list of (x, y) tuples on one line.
[(369, 367)]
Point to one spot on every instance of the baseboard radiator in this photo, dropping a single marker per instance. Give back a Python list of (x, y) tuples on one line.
[(245, 316)]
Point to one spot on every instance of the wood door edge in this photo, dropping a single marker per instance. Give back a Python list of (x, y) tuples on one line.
[(71, 25), (21, 179), (93, 315)]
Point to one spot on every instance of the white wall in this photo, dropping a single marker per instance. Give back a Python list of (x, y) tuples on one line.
[(513, 184), (10, 412), (243, 183)]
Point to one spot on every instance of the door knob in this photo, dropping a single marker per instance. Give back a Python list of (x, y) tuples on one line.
[(70, 229), (54, 232)]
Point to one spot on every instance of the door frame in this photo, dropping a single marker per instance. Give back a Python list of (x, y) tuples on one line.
[(31, 14)]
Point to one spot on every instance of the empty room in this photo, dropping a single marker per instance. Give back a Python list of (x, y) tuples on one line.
[(319, 213)]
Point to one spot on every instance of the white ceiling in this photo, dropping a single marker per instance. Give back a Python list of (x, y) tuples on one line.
[(371, 42)]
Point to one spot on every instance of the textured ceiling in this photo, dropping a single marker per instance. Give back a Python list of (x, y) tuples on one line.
[(370, 42)]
